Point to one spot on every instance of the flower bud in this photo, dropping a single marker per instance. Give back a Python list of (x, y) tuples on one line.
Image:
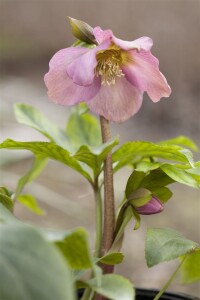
[(82, 31), (153, 206)]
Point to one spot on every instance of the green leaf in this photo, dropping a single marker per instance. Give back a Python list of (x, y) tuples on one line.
[(140, 197), (195, 174), (155, 182), (6, 216), (30, 267), (5, 191), (47, 150), (5, 198), (155, 179), (166, 244), (30, 202), (134, 182), (182, 141), (190, 271), (162, 193), (94, 156), (83, 129), (83, 44), (74, 246), (30, 116), (113, 258), (125, 215), (113, 287), (146, 166), (137, 218), (128, 153), (36, 168), (180, 175), (82, 31)]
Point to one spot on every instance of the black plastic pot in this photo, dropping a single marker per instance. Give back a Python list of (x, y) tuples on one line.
[(144, 294)]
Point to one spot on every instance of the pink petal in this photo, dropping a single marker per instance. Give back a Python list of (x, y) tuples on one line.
[(81, 69), (143, 72), (144, 43), (117, 102), (66, 56), (61, 89), (102, 35)]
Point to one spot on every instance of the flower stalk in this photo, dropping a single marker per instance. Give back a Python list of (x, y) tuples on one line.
[(109, 205)]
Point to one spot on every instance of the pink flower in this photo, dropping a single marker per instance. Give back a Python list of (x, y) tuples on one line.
[(111, 77), (154, 206)]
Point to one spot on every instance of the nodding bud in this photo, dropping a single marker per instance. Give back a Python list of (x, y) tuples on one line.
[(153, 206), (82, 31)]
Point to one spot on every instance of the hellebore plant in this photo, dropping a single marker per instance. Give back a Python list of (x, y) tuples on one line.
[(108, 76)]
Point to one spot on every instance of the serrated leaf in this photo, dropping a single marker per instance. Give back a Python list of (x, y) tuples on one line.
[(128, 152), (190, 271), (166, 244), (30, 116), (74, 246), (82, 31), (182, 141), (30, 202), (47, 150), (113, 258), (30, 267), (83, 129), (94, 156), (113, 287), (35, 170), (180, 175)]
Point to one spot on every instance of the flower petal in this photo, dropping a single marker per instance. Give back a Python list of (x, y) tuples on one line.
[(66, 56), (143, 72), (117, 102), (144, 43), (81, 70), (102, 35), (61, 89)]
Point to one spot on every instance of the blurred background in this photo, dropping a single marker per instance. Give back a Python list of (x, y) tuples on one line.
[(31, 32)]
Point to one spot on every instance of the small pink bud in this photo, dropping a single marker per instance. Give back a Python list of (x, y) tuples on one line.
[(154, 206)]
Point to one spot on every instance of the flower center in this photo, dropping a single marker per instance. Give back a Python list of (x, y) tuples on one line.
[(108, 65)]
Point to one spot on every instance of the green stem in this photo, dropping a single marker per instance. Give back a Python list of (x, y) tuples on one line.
[(88, 294), (98, 206), (170, 280)]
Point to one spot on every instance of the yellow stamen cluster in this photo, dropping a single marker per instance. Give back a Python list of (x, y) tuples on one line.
[(108, 65)]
